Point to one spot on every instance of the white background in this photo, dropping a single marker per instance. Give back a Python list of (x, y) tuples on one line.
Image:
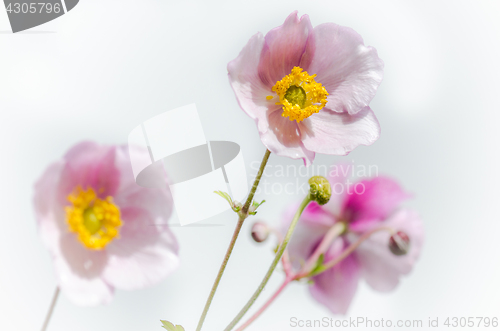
[(108, 65)]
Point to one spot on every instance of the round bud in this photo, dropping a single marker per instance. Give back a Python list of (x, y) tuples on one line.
[(320, 190), (399, 244), (260, 232)]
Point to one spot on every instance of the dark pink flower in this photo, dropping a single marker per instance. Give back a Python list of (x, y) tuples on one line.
[(101, 227), (308, 89), (363, 206)]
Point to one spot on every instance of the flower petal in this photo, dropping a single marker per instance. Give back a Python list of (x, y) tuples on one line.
[(79, 273), (338, 179), (158, 200), (143, 255), (350, 71), (48, 211), (283, 138), (89, 165), (371, 201), (284, 47), (335, 288), (243, 75), (380, 268), (328, 132)]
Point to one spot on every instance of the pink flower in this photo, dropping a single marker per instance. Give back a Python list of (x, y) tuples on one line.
[(364, 206), (99, 225), (308, 89)]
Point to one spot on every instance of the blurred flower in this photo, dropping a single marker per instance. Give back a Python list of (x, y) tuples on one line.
[(99, 225), (308, 89), (362, 207)]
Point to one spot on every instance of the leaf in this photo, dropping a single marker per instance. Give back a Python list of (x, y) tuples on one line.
[(319, 266), (235, 205), (169, 326), (256, 204), (225, 196)]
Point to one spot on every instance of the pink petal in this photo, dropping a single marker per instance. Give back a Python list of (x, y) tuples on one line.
[(382, 269), (350, 71), (335, 288), (316, 214), (338, 178), (250, 91), (283, 138), (372, 200), (158, 201), (90, 165), (49, 212), (79, 273), (284, 47), (328, 132), (143, 255)]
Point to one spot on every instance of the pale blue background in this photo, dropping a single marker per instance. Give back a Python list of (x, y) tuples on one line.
[(108, 65)]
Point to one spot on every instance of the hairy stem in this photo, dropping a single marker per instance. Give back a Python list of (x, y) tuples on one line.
[(277, 258), (243, 216), (334, 232)]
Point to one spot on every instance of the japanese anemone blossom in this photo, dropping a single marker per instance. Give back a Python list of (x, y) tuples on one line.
[(308, 89), (99, 225), (364, 206)]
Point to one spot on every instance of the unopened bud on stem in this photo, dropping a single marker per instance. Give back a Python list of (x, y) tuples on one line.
[(320, 190), (260, 232), (399, 244)]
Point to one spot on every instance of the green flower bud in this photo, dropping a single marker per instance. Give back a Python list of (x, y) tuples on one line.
[(320, 190)]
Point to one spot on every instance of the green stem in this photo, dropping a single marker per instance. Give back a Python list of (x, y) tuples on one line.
[(277, 258), (243, 215)]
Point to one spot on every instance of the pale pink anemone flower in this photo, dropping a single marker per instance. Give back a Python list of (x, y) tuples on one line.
[(103, 230), (308, 89), (363, 206)]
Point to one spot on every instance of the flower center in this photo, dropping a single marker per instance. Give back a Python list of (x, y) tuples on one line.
[(296, 95), (95, 221), (299, 94)]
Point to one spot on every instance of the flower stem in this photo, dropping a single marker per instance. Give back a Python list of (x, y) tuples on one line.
[(333, 233), (267, 304), (51, 309), (277, 258), (243, 216)]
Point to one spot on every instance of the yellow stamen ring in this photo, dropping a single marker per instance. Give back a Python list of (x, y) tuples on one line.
[(300, 95), (95, 221)]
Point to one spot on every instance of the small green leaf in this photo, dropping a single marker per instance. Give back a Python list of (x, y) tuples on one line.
[(319, 266), (225, 196), (256, 204), (169, 326)]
